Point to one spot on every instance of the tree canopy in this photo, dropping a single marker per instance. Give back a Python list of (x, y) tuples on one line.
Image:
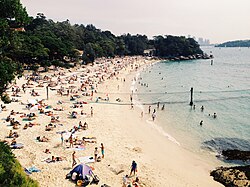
[(40, 41), (237, 43)]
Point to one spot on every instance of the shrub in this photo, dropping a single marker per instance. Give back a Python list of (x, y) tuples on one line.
[(11, 171), (6, 98)]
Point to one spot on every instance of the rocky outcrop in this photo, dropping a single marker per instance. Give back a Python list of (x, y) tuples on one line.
[(233, 177), (236, 155)]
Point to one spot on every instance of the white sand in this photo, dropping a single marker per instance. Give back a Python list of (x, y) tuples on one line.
[(125, 135)]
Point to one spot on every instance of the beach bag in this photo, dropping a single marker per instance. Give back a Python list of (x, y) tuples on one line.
[(79, 183)]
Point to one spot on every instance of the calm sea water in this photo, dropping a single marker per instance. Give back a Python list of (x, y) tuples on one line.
[(222, 88)]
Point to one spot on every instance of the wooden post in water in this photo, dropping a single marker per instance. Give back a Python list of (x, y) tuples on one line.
[(191, 100), (47, 89)]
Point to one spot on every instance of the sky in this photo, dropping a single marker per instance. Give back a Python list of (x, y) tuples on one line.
[(216, 20)]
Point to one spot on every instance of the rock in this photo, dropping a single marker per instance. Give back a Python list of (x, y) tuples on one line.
[(236, 155), (238, 176)]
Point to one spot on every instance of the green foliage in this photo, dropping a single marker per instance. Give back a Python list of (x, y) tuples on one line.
[(11, 172), (13, 12), (5, 98), (8, 70), (237, 43), (175, 46), (46, 42)]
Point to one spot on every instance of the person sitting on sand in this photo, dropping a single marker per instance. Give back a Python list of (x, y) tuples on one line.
[(15, 126), (25, 126), (12, 112), (74, 114), (54, 119), (136, 182), (41, 111), (3, 107), (13, 142), (85, 126), (10, 134), (47, 151), (126, 181)]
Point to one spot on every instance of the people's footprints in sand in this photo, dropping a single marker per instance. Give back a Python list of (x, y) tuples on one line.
[(137, 149), (134, 149)]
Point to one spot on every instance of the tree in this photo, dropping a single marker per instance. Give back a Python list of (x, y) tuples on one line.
[(12, 15)]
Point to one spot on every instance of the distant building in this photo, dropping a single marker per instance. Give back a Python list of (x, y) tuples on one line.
[(203, 42), (149, 52), (20, 29)]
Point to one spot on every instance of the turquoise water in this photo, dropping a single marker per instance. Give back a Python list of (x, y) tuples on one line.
[(222, 88)]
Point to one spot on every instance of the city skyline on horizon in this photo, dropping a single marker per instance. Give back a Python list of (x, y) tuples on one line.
[(219, 24)]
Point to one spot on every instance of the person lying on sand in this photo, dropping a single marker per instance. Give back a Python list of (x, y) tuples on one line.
[(54, 119), (58, 109), (49, 127), (33, 124), (49, 113), (89, 140), (55, 159), (42, 139)]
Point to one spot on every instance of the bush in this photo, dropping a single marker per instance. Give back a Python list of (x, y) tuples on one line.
[(6, 98), (11, 172)]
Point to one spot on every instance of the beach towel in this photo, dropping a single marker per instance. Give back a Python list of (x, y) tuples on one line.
[(27, 171), (27, 119), (78, 148), (86, 159), (33, 169), (61, 132), (17, 146)]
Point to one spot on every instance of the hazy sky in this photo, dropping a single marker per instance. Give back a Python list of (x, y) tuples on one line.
[(217, 20)]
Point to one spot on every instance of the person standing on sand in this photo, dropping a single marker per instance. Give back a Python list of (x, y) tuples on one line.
[(74, 159), (102, 150), (163, 106), (62, 138), (149, 109), (202, 108), (96, 154), (71, 141), (91, 111), (133, 168), (153, 116)]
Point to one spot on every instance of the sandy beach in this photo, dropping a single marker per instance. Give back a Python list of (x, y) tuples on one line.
[(125, 134)]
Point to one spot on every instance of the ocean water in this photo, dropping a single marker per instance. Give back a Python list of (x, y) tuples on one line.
[(222, 88)]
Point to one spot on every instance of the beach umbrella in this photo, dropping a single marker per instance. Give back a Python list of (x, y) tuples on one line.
[(83, 170)]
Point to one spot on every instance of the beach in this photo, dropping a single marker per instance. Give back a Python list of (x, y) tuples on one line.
[(126, 135)]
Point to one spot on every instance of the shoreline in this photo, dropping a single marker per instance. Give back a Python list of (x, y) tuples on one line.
[(125, 137)]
